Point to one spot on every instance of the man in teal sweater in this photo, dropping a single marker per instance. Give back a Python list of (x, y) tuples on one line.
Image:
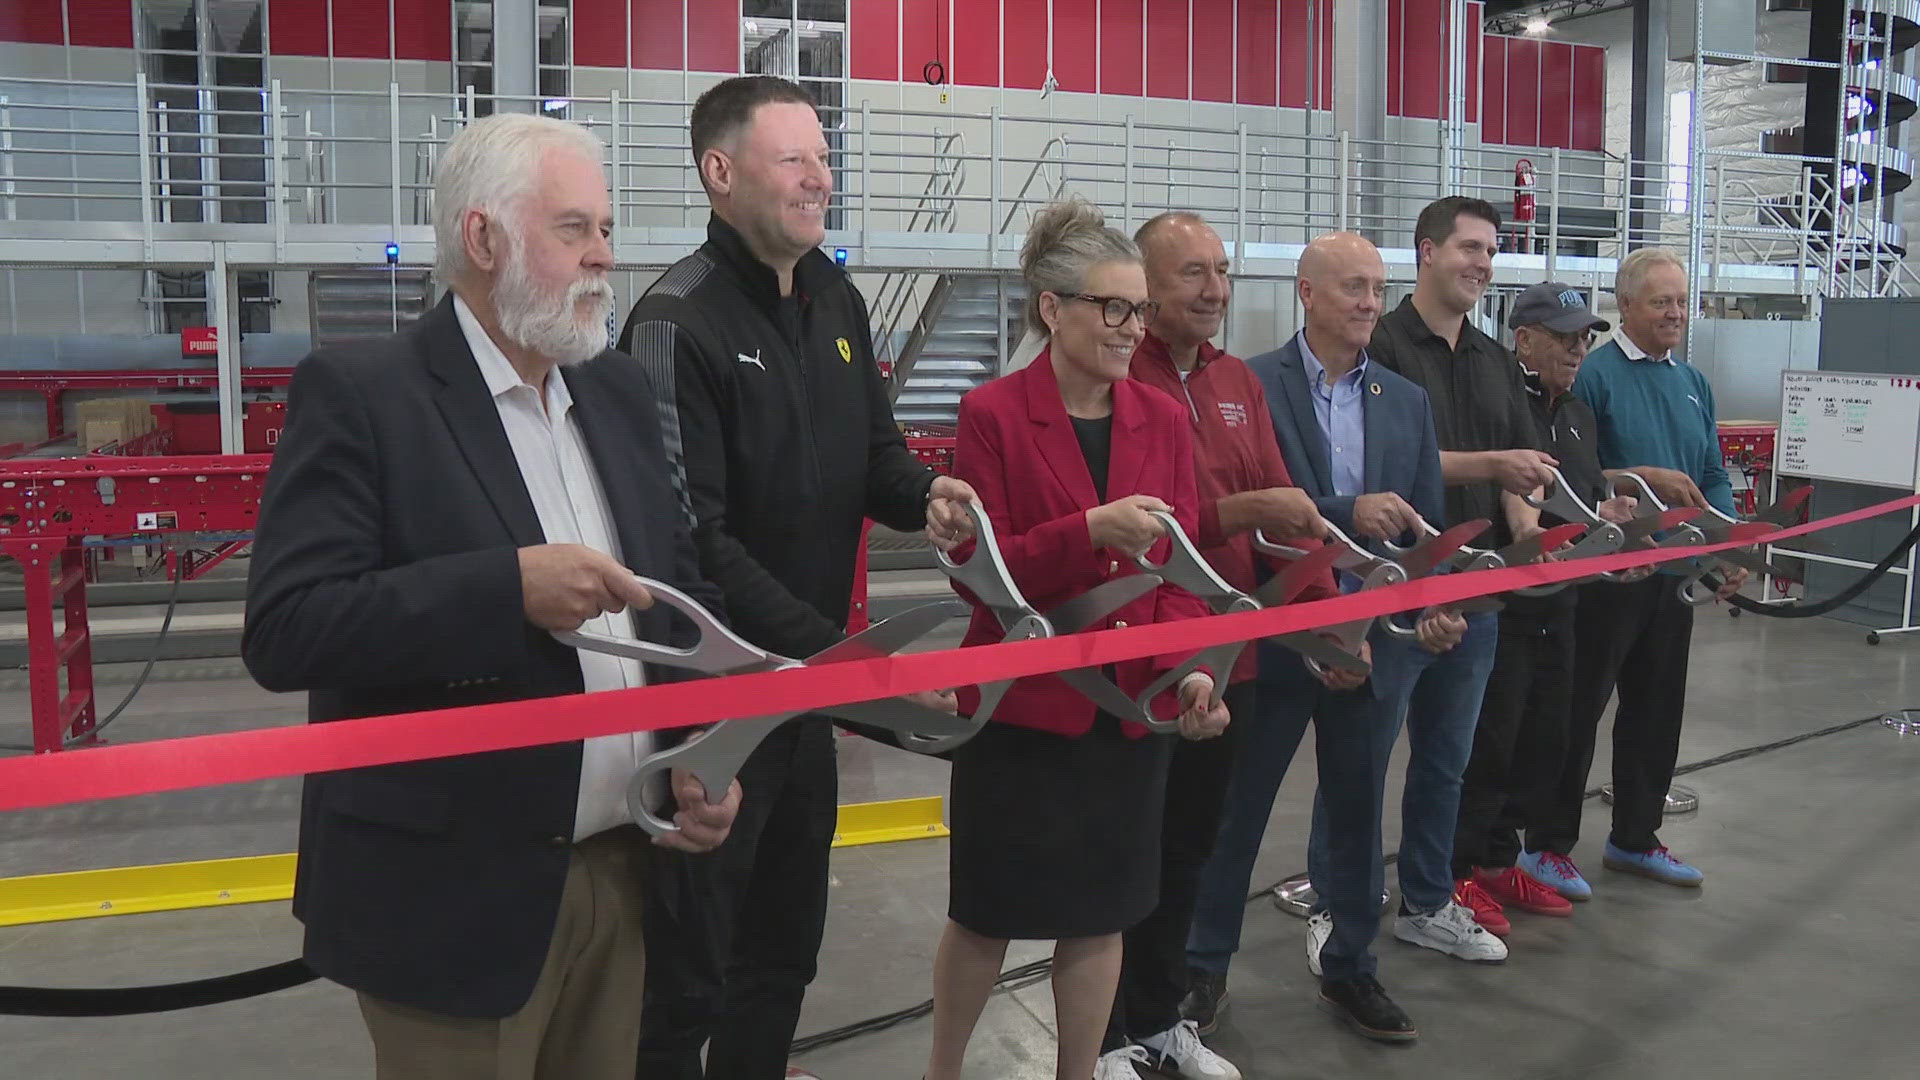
[(1656, 419)]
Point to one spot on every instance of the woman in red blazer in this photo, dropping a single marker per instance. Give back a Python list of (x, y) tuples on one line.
[(1057, 805)]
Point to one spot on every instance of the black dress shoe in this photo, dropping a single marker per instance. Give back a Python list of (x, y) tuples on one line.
[(1206, 999), (1365, 1007)]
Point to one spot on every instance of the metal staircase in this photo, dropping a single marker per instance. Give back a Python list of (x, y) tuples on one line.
[(963, 336)]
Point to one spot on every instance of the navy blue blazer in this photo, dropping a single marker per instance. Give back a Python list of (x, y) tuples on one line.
[(1403, 454)]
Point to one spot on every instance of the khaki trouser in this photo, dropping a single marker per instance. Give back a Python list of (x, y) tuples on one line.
[(583, 1020)]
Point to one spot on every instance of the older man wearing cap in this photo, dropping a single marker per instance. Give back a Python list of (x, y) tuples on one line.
[(1520, 745)]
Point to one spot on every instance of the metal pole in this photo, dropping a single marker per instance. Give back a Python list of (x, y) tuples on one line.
[(1805, 225), (1880, 149), (1840, 167), (616, 165), (995, 150), (1696, 159), (866, 176), (1343, 180), (147, 147), (1719, 218), (226, 337), (393, 159), (279, 174), (1553, 215), (1240, 200)]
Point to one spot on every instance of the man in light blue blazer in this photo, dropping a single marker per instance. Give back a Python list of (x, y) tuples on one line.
[(1360, 440)]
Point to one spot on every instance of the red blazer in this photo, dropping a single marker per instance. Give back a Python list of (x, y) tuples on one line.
[(1017, 448)]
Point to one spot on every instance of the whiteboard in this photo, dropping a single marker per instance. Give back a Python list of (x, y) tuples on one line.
[(1856, 427)]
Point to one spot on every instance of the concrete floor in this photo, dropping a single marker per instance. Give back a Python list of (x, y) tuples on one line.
[(1796, 959)]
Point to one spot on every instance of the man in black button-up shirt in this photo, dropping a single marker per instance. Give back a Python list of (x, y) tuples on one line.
[(1488, 460)]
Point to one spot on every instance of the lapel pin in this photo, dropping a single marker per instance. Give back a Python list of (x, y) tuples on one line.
[(1375, 388)]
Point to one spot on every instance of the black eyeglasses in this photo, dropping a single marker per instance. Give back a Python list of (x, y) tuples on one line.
[(1115, 310), (1572, 339)]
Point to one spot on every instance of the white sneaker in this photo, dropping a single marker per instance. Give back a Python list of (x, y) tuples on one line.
[(1178, 1052), (1451, 930), (1118, 1064), (1319, 929)]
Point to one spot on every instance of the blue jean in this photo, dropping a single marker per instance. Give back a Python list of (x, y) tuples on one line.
[(1438, 698), (1346, 740)]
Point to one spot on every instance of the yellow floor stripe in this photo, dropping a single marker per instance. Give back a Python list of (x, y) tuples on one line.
[(131, 890)]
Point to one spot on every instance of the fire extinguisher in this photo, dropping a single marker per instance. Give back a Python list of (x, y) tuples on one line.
[(1523, 204)]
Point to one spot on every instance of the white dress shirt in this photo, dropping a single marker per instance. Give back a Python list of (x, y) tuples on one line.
[(572, 507), (1635, 352)]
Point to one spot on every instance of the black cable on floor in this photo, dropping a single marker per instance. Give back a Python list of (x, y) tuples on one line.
[(1801, 610), (1040, 968), (135, 1000), (128, 1001)]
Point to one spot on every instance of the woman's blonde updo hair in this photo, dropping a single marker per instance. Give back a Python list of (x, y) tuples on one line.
[(1067, 239)]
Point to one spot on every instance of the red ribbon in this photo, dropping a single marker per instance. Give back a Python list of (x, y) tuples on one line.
[(200, 761)]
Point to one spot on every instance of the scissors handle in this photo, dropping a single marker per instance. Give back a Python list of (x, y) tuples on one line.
[(717, 651)]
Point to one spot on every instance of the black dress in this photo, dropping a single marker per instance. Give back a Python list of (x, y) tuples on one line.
[(1057, 837)]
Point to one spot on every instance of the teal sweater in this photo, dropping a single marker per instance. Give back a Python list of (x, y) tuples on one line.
[(1655, 413)]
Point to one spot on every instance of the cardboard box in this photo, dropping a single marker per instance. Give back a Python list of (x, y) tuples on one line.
[(104, 421)]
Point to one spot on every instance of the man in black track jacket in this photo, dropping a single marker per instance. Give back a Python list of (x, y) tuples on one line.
[(770, 399)]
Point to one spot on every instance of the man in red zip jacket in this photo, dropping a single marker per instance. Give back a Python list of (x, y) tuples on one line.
[(1243, 485)]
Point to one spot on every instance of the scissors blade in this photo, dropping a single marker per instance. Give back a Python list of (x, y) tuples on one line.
[(1429, 554), (904, 717), (889, 636), (1525, 551), (1322, 650), (1074, 615), (1641, 527), (1284, 586), (1100, 690)]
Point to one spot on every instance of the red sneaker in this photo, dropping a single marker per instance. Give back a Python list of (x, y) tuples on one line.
[(1486, 910), (1512, 888)]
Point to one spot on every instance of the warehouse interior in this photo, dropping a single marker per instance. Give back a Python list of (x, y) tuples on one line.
[(196, 194)]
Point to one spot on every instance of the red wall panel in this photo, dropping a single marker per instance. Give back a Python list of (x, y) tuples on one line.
[(1556, 94), (34, 22), (976, 43), (1474, 40), (659, 29), (1023, 59), (1169, 48), (1396, 59), (599, 33), (1523, 92), (1294, 62), (1589, 99), (1325, 99), (713, 35), (423, 30), (1423, 72), (298, 27), (922, 27), (1493, 125), (873, 46), (1123, 45), (1076, 39), (1256, 81), (106, 24), (360, 30), (1213, 50)]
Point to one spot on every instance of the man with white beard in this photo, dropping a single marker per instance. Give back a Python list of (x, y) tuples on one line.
[(442, 501)]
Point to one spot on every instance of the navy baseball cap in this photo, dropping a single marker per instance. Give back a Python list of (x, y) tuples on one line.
[(1558, 307)]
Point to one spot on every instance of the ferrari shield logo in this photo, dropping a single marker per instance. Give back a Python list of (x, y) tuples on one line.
[(846, 350)]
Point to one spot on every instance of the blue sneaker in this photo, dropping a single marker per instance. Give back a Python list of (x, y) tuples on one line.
[(1658, 864), (1556, 872)]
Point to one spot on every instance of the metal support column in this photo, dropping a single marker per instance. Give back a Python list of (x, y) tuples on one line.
[(1647, 148)]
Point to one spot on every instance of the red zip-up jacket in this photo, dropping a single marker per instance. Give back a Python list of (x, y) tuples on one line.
[(1234, 450)]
